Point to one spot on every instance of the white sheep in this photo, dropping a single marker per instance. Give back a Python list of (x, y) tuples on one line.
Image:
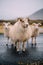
[(5, 27), (35, 32), (6, 30), (27, 33)]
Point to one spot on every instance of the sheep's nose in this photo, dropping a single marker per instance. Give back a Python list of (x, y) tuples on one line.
[(26, 25), (37, 28), (6, 28)]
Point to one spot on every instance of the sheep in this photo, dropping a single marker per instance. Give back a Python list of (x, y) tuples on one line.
[(35, 32), (6, 33), (6, 30), (27, 33)]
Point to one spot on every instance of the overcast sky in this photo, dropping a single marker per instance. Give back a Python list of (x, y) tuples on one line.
[(9, 9)]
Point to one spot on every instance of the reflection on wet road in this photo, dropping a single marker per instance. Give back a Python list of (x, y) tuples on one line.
[(32, 54)]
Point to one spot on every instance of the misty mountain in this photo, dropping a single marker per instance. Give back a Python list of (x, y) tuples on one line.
[(38, 15)]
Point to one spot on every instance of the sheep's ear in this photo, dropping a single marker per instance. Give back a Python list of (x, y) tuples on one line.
[(28, 19), (8, 23), (3, 23), (18, 19), (39, 24), (34, 24)]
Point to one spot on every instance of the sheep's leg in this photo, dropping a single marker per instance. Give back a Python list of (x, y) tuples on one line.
[(11, 43), (12, 46), (7, 41), (35, 41), (32, 41), (15, 44), (24, 46), (18, 46)]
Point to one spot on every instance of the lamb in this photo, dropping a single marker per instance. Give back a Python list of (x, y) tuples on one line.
[(35, 32)]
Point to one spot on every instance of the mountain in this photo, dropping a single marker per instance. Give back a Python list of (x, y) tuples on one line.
[(38, 15)]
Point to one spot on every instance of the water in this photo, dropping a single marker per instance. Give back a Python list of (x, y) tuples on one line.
[(32, 54)]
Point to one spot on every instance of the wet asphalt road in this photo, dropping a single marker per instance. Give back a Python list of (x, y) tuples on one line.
[(11, 57)]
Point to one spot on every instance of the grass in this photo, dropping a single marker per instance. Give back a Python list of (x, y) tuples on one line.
[(1, 29), (42, 26)]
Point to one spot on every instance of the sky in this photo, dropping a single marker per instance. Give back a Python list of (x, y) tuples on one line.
[(10, 9)]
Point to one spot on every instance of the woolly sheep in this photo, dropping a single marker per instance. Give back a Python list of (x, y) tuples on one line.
[(6, 30), (35, 32)]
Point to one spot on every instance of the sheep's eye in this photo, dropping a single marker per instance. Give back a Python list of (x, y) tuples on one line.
[(22, 21), (28, 20)]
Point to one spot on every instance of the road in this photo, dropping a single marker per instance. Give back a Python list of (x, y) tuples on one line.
[(8, 56)]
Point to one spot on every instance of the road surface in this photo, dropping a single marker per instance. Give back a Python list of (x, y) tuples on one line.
[(33, 55)]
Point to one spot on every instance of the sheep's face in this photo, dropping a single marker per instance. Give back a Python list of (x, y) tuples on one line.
[(24, 23), (36, 25), (6, 25)]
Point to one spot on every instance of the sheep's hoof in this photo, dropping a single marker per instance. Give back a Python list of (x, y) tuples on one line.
[(32, 44), (17, 50), (23, 50), (15, 47), (7, 45), (12, 45)]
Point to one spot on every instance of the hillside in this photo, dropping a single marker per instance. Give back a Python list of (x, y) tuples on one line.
[(38, 15)]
